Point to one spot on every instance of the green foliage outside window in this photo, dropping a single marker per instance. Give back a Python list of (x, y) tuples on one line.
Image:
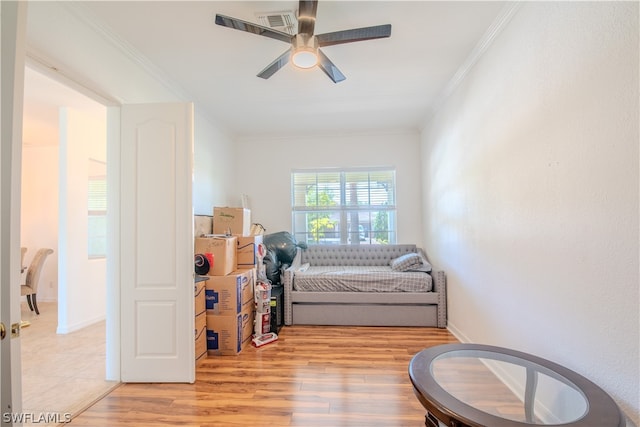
[(381, 227), (319, 223)]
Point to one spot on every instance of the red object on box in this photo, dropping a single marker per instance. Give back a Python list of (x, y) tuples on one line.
[(210, 258)]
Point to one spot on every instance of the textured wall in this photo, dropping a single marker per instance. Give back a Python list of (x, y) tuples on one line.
[(531, 192)]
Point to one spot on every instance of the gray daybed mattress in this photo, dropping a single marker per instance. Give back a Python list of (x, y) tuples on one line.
[(360, 279)]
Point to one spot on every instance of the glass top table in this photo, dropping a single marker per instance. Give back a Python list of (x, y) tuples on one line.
[(475, 385)]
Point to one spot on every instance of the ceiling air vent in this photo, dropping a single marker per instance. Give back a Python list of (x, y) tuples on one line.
[(284, 21)]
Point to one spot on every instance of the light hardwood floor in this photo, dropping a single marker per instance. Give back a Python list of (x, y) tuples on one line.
[(61, 373), (312, 376)]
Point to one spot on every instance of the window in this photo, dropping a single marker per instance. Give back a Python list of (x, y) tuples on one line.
[(344, 206), (97, 209)]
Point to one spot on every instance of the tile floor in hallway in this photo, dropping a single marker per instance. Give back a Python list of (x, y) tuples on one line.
[(61, 373)]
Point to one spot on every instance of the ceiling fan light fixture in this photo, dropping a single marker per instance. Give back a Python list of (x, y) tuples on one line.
[(305, 51), (304, 59)]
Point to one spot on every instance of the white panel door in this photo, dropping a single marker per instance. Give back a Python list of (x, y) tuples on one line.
[(156, 243), (12, 39)]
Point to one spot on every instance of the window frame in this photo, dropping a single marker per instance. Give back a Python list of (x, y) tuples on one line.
[(345, 210)]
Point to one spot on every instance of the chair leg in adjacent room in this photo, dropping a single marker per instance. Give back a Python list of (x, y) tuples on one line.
[(35, 305)]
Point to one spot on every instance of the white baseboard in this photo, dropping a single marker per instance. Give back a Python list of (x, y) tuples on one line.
[(456, 333), (79, 325)]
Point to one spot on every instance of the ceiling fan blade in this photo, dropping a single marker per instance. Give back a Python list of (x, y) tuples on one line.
[(329, 68), (280, 62), (241, 25), (307, 16), (354, 35)]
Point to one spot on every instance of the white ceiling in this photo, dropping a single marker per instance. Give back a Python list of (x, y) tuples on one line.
[(392, 84)]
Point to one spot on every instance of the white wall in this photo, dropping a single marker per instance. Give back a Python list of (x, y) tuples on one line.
[(531, 192), (213, 165), (39, 217), (82, 281), (264, 173)]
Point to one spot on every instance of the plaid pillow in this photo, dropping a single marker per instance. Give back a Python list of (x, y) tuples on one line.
[(406, 262)]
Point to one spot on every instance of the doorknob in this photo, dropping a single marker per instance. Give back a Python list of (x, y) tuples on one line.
[(3, 331)]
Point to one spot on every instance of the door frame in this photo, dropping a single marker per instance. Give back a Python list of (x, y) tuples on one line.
[(112, 300), (33, 60), (13, 27), (113, 313)]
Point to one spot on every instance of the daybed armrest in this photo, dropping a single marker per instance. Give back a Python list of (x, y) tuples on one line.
[(440, 286), (439, 281), (287, 282)]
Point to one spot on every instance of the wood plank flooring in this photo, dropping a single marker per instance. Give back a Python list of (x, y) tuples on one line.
[(312, 376)]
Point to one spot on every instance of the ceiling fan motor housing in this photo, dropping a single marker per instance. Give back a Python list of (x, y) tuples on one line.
[(305, 50)]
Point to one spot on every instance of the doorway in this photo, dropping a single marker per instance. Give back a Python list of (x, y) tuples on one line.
[(66, 343)]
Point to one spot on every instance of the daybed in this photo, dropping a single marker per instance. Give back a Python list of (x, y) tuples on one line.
[(355, 285)]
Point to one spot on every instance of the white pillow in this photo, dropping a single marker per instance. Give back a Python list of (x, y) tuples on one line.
[(424, 267), (406, 262)]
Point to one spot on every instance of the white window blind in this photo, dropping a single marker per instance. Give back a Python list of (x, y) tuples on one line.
[(97, 210), (344, 206)]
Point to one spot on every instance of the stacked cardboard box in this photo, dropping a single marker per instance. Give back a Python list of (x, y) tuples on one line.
[(250, 253), (231, 221), (219, 251), (235, 260), (230, 312), (200, 322)]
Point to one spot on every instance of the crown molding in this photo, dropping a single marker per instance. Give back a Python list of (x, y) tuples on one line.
[(494, 30), (84, 14)]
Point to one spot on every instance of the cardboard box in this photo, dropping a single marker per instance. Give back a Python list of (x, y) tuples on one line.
[(200, 328), (223, 253), (232, 221), (248, 255), (202, 224), (231, 294), (228, 335), (199, 300), (201, 336)]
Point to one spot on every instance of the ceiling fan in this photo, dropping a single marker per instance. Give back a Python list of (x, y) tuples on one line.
[(305, 46)]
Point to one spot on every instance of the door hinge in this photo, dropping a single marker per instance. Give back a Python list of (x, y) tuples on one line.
[(3, 331)]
